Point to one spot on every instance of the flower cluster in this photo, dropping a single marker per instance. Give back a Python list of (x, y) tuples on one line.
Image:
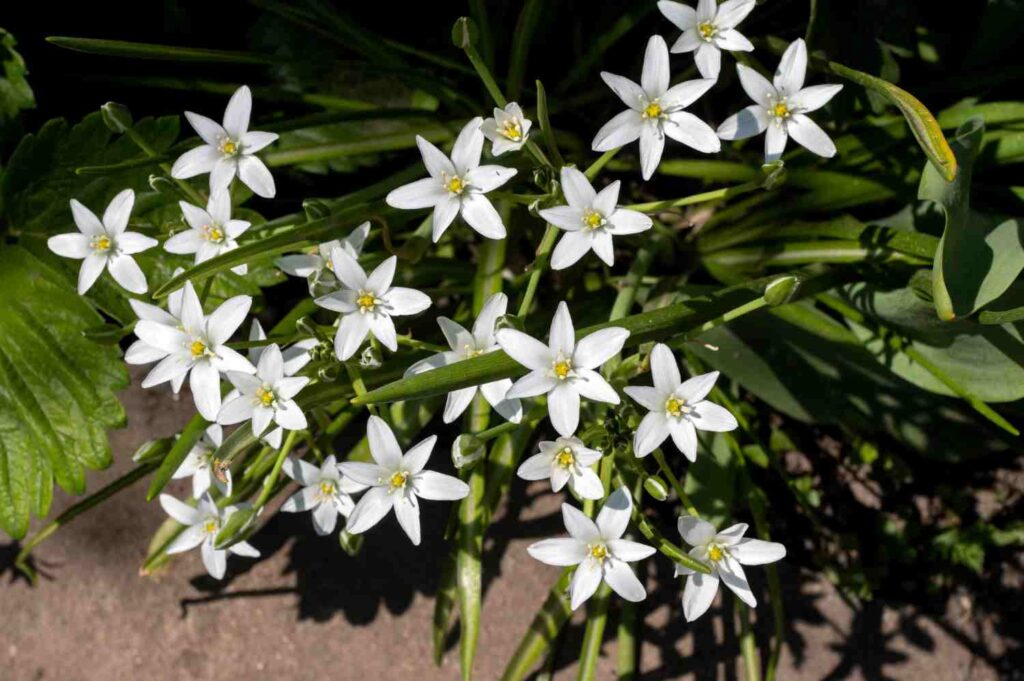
[(570, 373)]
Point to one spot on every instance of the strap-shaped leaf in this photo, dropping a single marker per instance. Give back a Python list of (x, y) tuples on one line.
[(56, 389)]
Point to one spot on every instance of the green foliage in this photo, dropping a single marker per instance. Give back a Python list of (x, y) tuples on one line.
[(15, 92), (57, 389)]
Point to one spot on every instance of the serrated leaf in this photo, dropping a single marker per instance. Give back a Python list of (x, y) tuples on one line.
[(56, 389)]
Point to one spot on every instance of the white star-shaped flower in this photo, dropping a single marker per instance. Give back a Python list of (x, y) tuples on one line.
[(317, 267), (104, 243), (211, 231), (198, 348), (508, 130), (590, 220), (709, 30), (202, 524), (656, 110), (598, 549), (566, 460), (141, 352), (202, 467), (726, 551), (397, 481), (367, 303), (229, 149), (466, 345), (563, 369), (325, 492), (456, 186), (781, 107), (266, 397), (677, 407)]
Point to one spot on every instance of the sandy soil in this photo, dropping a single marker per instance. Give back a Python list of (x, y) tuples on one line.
[(306, 610)]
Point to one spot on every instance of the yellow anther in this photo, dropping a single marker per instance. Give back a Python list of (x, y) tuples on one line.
[(327, 488), (228, 147), (455, 185), (101, 243), (780, 110), (562, 368), (652, 110), (197, 348), (592, 219), (675, 406), (265, 396), (512, 131), (565, 457), (398, 479), (213, 233), (598, 551), (706, 30), (715, 553), (210, 526), (366, 301)]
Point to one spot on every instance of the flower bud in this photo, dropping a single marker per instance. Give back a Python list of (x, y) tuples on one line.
[(370, 358), (315, 209), (656, 487), (466, 450), (350, 543), (464, 33), (238, 527), (116, 117), (152, 450), (781, 290), (163, 185)]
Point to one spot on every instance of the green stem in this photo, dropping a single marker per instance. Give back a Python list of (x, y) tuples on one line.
[(629, 624), (716, 194), (540, 263), (595, 167), (185, 187), (271, 480), (355, 376), (544, 628), (94, 499), (674, 481), (597, 609), (410, 342), (736, 312), (748, 644)]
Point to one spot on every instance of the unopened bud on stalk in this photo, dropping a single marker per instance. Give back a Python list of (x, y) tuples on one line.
[(656, 487), (116, 117)]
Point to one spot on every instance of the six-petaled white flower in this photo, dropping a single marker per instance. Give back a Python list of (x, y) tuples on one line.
[(202, 524), (590, 220), (316, 266), (367, 303), (656, 110), (229, 149), (268, 396), (141, 352), (397, 481), (456, 186), (708, 30), (677, 407), (105, 244), (203, 467), (726, 551), (325, 492), (563, 369), (466, 345), (598, 550), (508, 130), (566, 460), (198, 347), (211, 231), (781, 107)]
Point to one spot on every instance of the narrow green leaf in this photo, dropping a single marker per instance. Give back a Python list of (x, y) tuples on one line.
[(444, 606), (522, 39), (189, 436), (468, 572), (545, 126), (132, 50), (546, 624)]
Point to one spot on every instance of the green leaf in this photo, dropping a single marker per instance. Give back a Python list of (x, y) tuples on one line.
[(979, 256), (711, 481), (132, 50), (15, 93), (56, 389), (189, 436)]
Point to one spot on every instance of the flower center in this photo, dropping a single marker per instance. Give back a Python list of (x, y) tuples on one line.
[(197, 348), (652, 110), (366, 301), (327, 488), (592, 219), (562, 368), (210, 526), (398, 480), (715, 553), (213, 233), (564, 458), (780, 110), (100, 244), (512, 131), (598, 551), (455, 185), (676, 406), (471, 351), (706, 30), (265, 395), (228, 147)]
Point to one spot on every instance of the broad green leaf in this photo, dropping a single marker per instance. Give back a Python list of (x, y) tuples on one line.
[(711, 480), (993, 113), (1007, 308), (56, 389), (15, 93), (979, 256)]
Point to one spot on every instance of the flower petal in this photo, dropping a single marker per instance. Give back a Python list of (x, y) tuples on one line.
[(653, 430), (711, 417), (256, 176), (652, 144), (578, 191), (683, 16), (419, 194), (748, 122), (732, 40), (402, 301), (537, 467), (789, 77), (208, 129), (481, 215), (775, 142), (73, 245), (619, 131), (625, 221), (457, 402), (684, 435), (732, 575), (225, 320), (489, 177), (694, 531), (807, 133), (526, 350), (236, 115), (570, 248), (416, 458), (708, 58), (613, 518), (757, 552), (468, 147), (483, 328), (814, 97), (630, 551), (560, 551), (407, 510), (647, 397), (301, 471), (631, 94), (684, 127), (179, 510), (694, 389), (655, 76), (351, 333), (195, 162), (732, 12), (436, 486), (592, 386), (115, 217), (699, 594), (370, 510), (532, 384), (587, 485), (384, 446), (623, 581), (598, 347), (564, 408), (254, 141), (585, 582), (756, 86), (127, 273)]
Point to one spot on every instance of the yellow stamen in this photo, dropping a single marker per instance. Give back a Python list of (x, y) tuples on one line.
[(101, 243), (366, 301), (565, 457), (210, 526), (592, 219), (455, 185), (265, 396), (706, 30), (327, 488), (213, 233), (652, 110), (780, 110), (598, 551), (562, 368), (197, 348), (512, 131), (398, 479), (228, 147), (715, 553), (675, 406)]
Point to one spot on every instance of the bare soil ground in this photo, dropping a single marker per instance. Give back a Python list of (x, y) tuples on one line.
[(306, 610)]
